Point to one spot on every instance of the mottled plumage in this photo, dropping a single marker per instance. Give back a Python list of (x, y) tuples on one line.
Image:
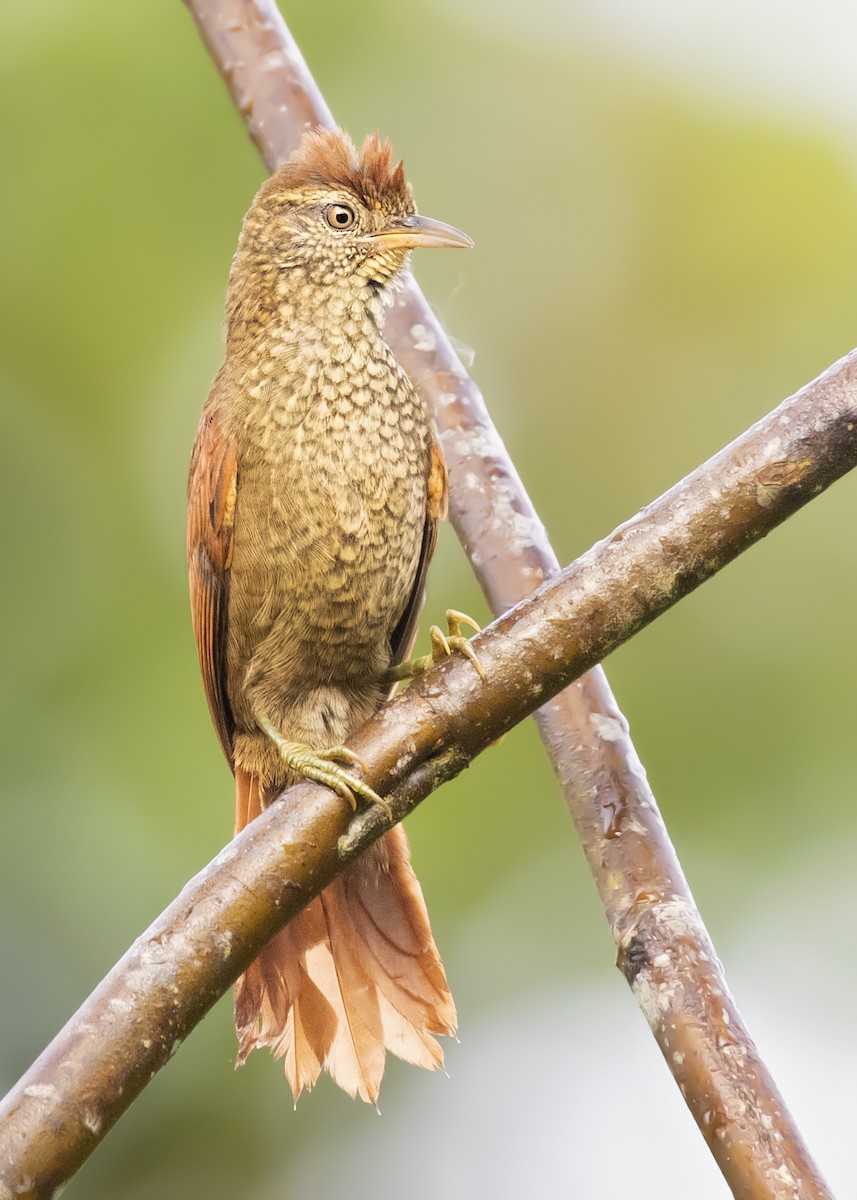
[(315, 489)]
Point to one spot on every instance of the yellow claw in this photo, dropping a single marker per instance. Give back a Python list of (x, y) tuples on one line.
[(455, 641), (442, 646), (320, 766)]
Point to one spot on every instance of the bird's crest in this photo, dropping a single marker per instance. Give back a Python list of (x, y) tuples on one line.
[(329, 156)]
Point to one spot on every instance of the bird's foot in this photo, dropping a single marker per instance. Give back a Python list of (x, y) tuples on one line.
[(442, 646), (321, 766)]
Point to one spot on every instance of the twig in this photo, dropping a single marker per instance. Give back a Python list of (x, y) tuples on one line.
[(139, 1015), (585, 734)]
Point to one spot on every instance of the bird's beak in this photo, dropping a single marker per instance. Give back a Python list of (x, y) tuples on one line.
[(407, 233)]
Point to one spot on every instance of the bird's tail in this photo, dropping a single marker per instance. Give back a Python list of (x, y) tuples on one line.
[(354, 974)]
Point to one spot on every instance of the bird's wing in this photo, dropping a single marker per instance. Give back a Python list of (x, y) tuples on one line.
[(212, 493), (405, 633)]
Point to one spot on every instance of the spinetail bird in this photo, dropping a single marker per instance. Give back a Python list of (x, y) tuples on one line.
[(316, 485)]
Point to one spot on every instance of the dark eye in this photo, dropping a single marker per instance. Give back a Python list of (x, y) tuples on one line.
[(339, 216)]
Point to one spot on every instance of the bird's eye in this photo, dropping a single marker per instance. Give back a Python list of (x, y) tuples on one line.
[(339, 216)]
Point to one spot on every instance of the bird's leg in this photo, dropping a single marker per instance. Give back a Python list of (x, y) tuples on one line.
[(442, 646), (321, 767)]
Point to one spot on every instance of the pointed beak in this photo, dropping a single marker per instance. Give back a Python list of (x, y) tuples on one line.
[(408, 233)]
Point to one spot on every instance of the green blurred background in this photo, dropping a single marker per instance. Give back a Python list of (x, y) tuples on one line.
[(663, 201)]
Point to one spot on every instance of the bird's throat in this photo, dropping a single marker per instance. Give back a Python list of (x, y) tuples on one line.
[(293, 314)]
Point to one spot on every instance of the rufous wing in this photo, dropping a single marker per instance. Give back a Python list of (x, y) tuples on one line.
[(404, 635), (212, 496)]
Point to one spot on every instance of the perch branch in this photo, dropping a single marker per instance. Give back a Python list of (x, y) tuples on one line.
[(585, 734), (172, 975)]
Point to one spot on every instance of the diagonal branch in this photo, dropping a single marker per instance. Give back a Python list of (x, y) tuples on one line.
[(586, 736), (139, 1015)]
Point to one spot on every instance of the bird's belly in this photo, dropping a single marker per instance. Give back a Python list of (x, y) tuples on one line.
[(324, 563)]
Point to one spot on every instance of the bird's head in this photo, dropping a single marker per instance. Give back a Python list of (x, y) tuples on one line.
[(332, 214)]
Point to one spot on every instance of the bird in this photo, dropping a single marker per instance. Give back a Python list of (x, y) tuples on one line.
[(315, 490)]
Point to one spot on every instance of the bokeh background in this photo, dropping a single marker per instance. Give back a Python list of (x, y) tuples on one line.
[(664, 203)]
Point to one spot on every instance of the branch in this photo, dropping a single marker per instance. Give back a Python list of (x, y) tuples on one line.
[(584, 731), (172, 975)]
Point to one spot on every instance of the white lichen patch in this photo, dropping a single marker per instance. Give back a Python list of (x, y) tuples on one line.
[(476, 442), (424, 339), (784, 1175), (154, 953), (678, 923), (637, 827), (274, 60), (609, 729), (679, 919), (121, 1004), (735, 1108), (42, 1091), (223, 942), (92, 1122), (647, 998)]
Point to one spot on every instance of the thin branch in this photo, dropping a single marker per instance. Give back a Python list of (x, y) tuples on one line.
[(139, 1015), (586, 736)]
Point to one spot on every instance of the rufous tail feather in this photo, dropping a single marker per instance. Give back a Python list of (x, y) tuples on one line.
[(354, 974)]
